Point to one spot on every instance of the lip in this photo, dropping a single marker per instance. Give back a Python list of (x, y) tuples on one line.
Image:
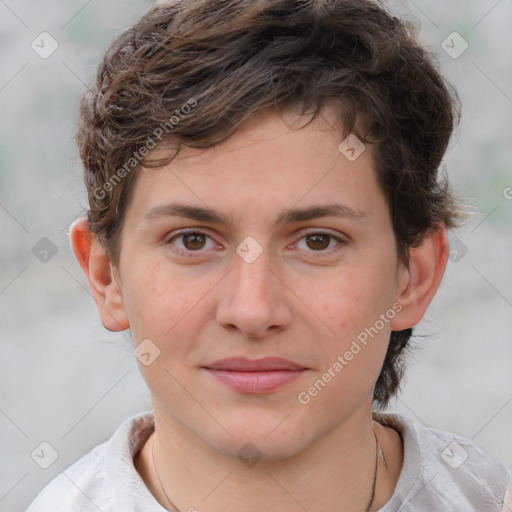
[(255, 375), (265, 364)]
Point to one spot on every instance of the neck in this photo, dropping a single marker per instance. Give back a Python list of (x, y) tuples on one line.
[(335, 473)]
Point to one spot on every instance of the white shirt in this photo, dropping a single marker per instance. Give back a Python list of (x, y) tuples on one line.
[(441, 472)]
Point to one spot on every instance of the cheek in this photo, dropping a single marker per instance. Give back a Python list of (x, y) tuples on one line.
[(357, 309), (353, 300), (158, 300)]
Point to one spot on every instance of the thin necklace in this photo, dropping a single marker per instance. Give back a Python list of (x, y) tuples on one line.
[(158, 476), (374, 485)]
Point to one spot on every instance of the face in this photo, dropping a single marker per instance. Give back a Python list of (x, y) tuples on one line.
[(274, 269)]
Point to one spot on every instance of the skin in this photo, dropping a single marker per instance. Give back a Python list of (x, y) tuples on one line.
[(303, 299)]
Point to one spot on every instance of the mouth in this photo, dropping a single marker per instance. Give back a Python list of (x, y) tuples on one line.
[(255, 376)]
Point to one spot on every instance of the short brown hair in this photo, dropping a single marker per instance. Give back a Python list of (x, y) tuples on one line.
[(212, 64)]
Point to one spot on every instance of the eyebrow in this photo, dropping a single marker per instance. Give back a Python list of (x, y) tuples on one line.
[(201, 214)]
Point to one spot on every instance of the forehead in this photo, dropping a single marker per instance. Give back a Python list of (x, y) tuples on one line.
[(273, 162)]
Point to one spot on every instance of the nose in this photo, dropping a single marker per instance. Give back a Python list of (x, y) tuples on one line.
[(253, 299)]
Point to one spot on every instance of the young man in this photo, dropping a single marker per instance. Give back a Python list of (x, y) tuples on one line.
[(267, 219)]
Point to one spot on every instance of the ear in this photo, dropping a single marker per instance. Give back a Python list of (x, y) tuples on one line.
[(102, 276), (420, 281)]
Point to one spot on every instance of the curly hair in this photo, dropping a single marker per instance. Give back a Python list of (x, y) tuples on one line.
[(189, 72)]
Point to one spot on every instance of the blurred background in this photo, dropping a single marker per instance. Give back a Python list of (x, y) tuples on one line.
[(68, 382)]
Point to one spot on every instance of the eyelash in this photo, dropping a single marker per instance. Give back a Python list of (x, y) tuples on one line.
[(302, 234)]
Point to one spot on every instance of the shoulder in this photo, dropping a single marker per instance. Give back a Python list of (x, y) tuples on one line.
[(507, 505), (444, 471), (96, 481), (82, 486)]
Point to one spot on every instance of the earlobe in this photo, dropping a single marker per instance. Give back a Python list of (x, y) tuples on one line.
[(101, 274), (422, 278)]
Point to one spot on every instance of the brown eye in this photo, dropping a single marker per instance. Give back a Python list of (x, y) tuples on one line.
[(194, 241), (192, 244), (318, 242)]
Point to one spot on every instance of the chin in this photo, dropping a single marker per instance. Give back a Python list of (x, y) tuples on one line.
[(263, 438)]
